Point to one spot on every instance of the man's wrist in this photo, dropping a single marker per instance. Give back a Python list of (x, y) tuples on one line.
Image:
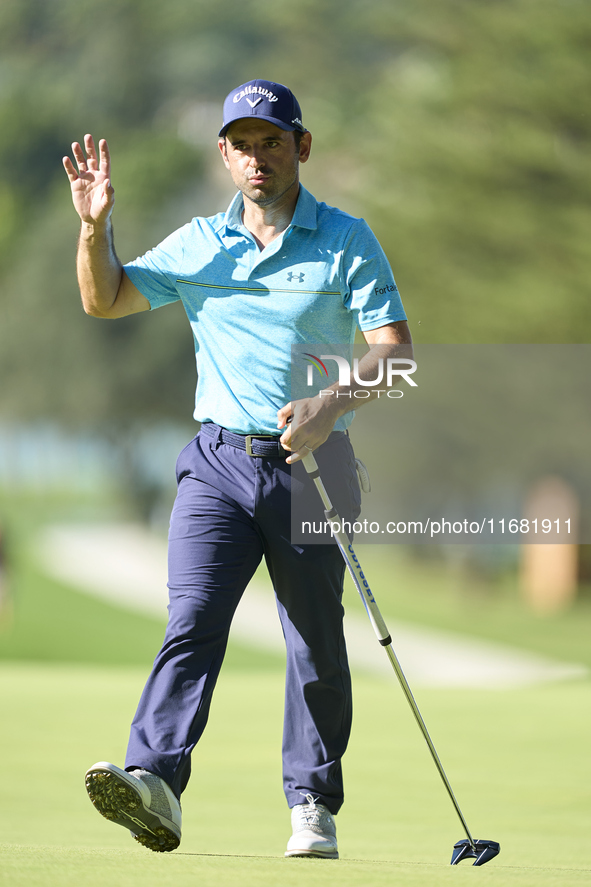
[(333, 405), (94, 230)]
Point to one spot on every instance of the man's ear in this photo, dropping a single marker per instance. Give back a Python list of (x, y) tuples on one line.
[(305, 146), (224, 153)]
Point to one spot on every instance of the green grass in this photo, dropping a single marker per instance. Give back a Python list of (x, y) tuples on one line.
[(48, 621), (53, 623), (72, 669), (431, 593), (518, 762)]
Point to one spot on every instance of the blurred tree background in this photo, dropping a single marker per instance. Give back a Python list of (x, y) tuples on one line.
[(459, 129)]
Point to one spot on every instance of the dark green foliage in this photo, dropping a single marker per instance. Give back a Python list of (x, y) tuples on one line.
[(459, 129)]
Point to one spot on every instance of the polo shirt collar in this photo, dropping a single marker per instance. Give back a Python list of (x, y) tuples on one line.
[(305, 211), (304, 214), (233, 215)]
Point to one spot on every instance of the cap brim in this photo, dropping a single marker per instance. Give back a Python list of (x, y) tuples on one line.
[(285, 126)]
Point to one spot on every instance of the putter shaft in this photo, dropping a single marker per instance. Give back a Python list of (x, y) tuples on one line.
[(379, 626)]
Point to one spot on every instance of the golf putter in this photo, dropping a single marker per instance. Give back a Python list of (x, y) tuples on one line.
[(467, 848)]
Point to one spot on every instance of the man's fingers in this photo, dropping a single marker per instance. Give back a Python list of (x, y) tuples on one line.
[(107, 192), (90, 151), (283, 415), (87, 161), (79, 156), (105, 158), (302, 451), (69, 167)]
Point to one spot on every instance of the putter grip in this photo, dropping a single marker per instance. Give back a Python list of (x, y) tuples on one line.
[(311, 465)]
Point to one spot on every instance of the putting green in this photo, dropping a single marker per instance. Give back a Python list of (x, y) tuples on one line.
[(518, 762)]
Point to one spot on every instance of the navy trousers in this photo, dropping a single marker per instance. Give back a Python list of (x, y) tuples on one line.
[(232, 510)]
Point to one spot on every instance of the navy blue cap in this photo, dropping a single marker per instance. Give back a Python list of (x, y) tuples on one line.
[(266, 101)]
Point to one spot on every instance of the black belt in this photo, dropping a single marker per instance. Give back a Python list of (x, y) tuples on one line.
[(262, 445)]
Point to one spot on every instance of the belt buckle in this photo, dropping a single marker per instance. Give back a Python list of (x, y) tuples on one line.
[(248, 442)]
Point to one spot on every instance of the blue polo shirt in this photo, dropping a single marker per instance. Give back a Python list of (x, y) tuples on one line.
[(319, 279)]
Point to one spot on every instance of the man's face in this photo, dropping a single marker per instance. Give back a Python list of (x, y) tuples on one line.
[(263, 159)]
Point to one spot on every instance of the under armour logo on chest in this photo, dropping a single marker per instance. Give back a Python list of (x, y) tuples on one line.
[(294, 275)]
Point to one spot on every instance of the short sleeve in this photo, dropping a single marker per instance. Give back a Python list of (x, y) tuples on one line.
[(155, 274), (371, 289)]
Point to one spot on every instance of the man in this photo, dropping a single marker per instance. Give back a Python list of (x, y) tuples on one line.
[(276, 269)]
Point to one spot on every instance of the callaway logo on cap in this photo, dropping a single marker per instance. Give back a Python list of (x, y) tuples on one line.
[(265, 100)]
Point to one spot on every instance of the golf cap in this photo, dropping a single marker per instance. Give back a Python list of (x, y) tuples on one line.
[(266, 101)]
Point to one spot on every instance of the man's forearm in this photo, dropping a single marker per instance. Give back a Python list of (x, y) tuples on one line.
[(313, 418), (98, 268), (373, 366)]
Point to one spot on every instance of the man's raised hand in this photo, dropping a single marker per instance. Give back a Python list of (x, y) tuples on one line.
[(92, 193)]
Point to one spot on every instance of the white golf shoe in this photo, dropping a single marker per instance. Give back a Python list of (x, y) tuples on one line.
[(314, 831), (139, 801)]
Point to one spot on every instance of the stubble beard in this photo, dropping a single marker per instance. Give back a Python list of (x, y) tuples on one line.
[(268, 199)]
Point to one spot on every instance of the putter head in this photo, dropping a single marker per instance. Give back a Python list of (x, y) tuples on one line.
[(482, 851)]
